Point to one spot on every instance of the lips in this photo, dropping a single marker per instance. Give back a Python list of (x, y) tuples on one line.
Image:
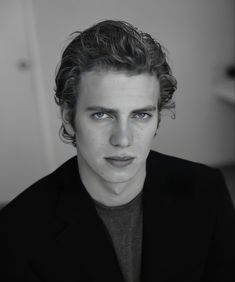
[(120, 162)]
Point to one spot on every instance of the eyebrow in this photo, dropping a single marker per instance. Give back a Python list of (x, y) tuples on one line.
[(113, 111)]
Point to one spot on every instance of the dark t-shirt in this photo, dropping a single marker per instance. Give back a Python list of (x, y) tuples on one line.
[(124, 224)]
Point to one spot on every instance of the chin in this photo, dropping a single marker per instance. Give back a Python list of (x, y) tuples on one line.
[(119, 177), (116, 180)]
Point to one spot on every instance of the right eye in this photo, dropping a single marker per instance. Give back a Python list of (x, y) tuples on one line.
[(100, 116)]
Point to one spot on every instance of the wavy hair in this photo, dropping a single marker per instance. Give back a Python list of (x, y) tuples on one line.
[(110, 45)]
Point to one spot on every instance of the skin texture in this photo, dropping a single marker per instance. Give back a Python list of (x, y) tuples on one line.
[(116, 116)]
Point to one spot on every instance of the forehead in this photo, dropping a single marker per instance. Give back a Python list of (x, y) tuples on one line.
[(119, 88)]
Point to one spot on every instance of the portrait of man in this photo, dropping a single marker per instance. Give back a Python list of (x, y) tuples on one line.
[(118, 211)]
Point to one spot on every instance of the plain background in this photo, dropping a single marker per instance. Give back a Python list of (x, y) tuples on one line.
[(199, 35)]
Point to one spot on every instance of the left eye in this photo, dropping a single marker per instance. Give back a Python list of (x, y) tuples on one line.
[(100, 115), (142, 116)]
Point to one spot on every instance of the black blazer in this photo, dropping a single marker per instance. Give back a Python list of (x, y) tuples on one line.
[(51, 231)]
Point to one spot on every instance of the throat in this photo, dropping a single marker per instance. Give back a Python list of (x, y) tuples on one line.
[(117, 189), (117, 194), (113, 194)]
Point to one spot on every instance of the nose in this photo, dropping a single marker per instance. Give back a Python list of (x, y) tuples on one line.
[(121, 135)]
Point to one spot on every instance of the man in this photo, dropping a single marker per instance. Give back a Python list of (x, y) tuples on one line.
[(115, 212)]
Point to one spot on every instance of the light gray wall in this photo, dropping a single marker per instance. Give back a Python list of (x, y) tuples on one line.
[(23, 158)]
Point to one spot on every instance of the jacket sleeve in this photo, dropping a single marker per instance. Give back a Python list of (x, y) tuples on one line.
[(221, 260)]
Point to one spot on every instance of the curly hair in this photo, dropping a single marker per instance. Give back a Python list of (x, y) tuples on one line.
[(110, 45)]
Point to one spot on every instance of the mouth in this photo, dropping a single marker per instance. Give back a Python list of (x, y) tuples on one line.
[(120, 162)]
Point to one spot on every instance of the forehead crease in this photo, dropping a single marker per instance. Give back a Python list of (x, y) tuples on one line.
[(130, 88), (118, 79), (118, 88), (121, 102)]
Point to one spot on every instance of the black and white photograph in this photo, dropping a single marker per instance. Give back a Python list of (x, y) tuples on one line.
[(117, 147)]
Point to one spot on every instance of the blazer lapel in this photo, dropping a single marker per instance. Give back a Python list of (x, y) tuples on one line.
[(152, 215), (84, 237), (166, 201)]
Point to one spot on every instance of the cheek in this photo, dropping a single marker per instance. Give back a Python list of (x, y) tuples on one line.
[(90, 141), (84, 131), (145, 135)]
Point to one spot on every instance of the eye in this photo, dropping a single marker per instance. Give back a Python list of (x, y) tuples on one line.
[(142, 116), (100, 116)]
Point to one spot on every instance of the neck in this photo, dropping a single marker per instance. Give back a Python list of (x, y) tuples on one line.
[(109, 193)]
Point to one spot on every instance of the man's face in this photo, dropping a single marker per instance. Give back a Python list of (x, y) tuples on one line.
[(116, 119)]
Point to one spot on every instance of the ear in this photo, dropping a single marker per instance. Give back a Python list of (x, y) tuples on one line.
[(65, 114)]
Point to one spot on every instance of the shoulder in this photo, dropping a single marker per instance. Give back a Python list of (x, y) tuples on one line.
[(39, 200), (186, 177), (198, 187), (178, 166)]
